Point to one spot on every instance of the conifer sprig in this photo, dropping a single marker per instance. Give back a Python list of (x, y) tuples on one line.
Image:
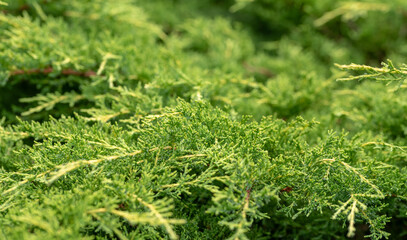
[(387, 73)]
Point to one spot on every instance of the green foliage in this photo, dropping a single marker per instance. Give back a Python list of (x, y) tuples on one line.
[(374, 112), (388, 72), (239, 169), (138, 119)]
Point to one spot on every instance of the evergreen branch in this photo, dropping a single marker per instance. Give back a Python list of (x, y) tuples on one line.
[(134, 217), (106, 57), (192, 156), (8, 203), (388, 72), (68, 167), (391, 146), (39, 11), (103, 116), (4, 134), (66, 136), (342, 208), (239, 5), (349, 10), (32, 177), (49, 101), (119, 234), (161, 220), (46, 226), (352, 209), (363, 178), (242, 224), (351, 219), (239, 224), (377, 232)]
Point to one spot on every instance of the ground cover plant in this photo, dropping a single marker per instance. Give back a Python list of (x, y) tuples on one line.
[(139, 119)]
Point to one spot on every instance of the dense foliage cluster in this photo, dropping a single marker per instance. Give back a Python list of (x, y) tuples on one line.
[(190, 119)]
